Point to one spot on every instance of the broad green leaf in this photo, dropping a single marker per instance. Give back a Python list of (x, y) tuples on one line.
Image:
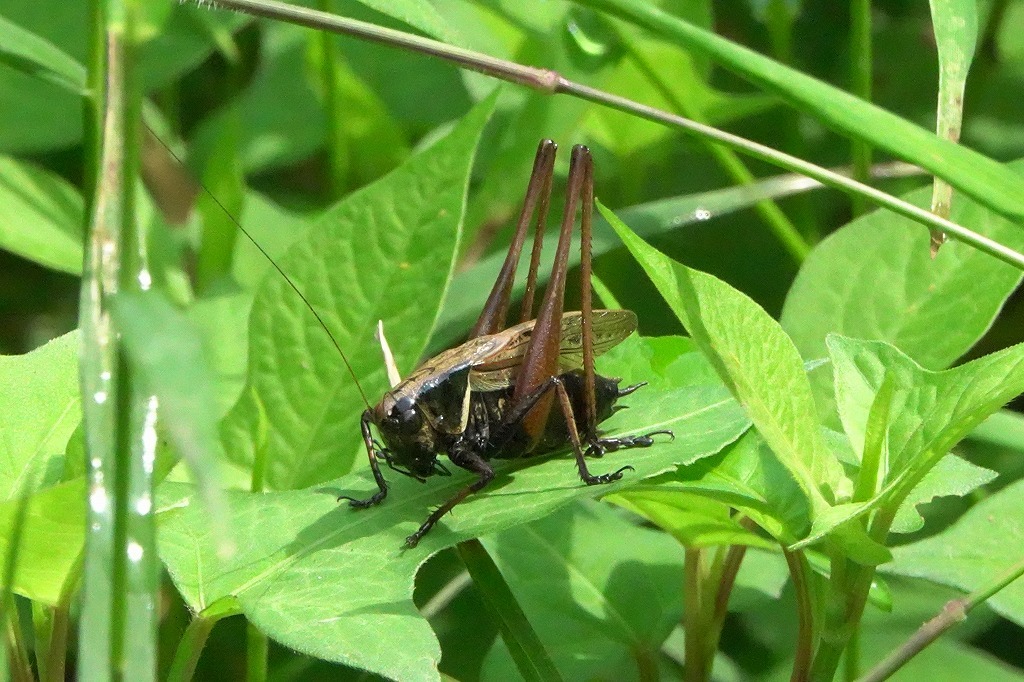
[(327, 580), (747, 477), (952, 476), (693, 520), (384, 253), (40, 216), (34, 55), (52, 543), (41, 406), (932, 411), (837, 291), (1004, 428), (272, 227), (662, 361), (986, 180), (221, 325), (647, 220), (756, 360), (603, 593), (975, 552)]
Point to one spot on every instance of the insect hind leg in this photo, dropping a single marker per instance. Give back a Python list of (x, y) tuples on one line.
[(574, 438), (598, 447)]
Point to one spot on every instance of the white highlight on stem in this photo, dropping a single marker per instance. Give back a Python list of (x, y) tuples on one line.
[(149, 435)]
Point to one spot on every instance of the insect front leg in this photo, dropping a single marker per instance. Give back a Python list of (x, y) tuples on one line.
[(371, 452), (467, 460)]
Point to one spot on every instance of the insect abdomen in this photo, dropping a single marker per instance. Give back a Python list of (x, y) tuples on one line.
[(488, 411)]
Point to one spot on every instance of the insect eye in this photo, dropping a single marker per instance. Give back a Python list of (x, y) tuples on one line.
[(405, 415)]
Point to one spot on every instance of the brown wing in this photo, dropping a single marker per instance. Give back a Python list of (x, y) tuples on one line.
[(498, 370)]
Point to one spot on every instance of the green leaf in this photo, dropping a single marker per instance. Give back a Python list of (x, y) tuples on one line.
[(384, 253), (271, 226), (952, 476), (756, 360), (221, 324), (41, 407), (974, 552), (40, 216), (34, 55), (836, 290), (932, 411), (986, 180), (1004, 428), (326, 579), (603, 593), (692, 520), (747, 477), (52, 541), (270, 136), (665, 76)]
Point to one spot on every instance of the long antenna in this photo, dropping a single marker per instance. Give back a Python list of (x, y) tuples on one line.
[(277, 267)]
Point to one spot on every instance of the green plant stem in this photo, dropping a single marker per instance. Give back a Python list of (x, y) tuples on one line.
[(190, 647), (727, 579), (801, 575), (337, 153), (990, 182), (695, 667), (852, 661), (785, 231), (92, 104), (58, 644), (531, 658), (860, 82), (549, 81), (186, 657), (17, 656), (851, 582), (257, 647), (954, 611)]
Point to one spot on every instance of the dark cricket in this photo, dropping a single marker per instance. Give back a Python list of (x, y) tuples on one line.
[(512, 392)]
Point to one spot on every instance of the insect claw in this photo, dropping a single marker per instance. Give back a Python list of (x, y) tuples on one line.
[(368, 502)]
